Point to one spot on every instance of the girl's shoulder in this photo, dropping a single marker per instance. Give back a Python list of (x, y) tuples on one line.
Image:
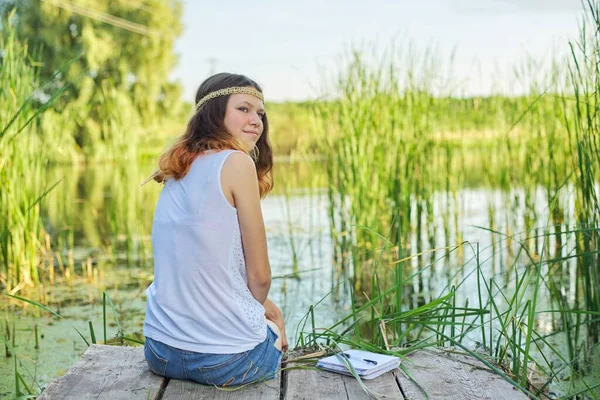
[(238, 164), (238, 177)]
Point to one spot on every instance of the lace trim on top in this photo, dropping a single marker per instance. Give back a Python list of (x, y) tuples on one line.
[(253, 311)]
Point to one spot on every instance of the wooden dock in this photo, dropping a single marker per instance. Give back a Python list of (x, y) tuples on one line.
[(115, 373)]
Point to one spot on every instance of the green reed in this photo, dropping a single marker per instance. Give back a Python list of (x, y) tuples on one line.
[(33, 136), (22, 165), (502, 319), (584, 135), (389, 149)]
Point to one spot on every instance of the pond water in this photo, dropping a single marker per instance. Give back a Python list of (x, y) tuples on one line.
[(118, 256), (102, 215)]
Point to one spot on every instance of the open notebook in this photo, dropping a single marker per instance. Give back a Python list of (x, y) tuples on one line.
[(367, 365)]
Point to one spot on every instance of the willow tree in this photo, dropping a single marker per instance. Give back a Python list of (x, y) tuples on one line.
[(119, 53)]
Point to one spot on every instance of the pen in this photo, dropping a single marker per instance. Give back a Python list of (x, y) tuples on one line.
[(364, 359)]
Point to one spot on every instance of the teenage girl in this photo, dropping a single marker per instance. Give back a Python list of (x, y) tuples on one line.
[(208, 316)]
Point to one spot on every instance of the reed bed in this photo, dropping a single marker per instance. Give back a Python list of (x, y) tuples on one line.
[(584, 134), (38, 223), (21, 166), (389, 153)]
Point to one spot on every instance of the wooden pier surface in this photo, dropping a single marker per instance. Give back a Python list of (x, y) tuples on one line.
[(110, 372)]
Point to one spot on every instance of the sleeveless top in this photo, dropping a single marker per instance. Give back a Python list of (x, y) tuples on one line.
[(199, 300)]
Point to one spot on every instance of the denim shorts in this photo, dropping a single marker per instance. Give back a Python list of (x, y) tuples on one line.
[(260, 363)]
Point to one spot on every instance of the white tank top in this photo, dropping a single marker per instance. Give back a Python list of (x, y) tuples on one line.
[(199, 300)]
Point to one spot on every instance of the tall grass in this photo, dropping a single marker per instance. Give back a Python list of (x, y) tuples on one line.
[(374, 136), (584, 132), (32, 137), (389, 153), (22, 162), (501, 318)]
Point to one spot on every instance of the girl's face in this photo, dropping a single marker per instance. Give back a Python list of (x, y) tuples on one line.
[(243, 118)]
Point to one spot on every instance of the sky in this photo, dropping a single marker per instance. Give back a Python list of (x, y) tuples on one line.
[(293, 48)]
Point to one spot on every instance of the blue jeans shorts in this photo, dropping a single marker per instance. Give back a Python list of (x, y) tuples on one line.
[(260, 363)]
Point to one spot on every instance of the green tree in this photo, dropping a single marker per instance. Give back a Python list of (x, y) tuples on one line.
[(118, 88)]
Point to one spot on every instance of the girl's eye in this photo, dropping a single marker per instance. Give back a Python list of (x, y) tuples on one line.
[(245, 109)]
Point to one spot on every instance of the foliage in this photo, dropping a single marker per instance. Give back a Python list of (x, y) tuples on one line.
[(118, 86), (21, 165)]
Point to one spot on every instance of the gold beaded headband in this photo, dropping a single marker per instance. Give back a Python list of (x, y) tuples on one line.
[(228, 91)]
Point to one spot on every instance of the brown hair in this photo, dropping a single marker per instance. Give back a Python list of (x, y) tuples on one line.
[(206, 131)]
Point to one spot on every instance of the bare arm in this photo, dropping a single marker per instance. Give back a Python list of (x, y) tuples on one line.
[(240, 182)]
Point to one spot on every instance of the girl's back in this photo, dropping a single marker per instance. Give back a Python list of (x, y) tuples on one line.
[(200, 300)]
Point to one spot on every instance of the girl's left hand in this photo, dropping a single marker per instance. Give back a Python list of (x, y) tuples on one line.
[(273, 313)]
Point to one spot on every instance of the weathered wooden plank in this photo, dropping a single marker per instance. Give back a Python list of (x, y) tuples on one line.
[(314, 384), (107, 372), (184, 390), (410, 390), (383, 387), (317, 384), (452, 376)]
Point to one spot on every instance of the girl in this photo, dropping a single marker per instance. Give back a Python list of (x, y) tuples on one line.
[(208, 318)]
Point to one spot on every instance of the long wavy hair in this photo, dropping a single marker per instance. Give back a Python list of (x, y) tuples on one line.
[(206, 131)]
